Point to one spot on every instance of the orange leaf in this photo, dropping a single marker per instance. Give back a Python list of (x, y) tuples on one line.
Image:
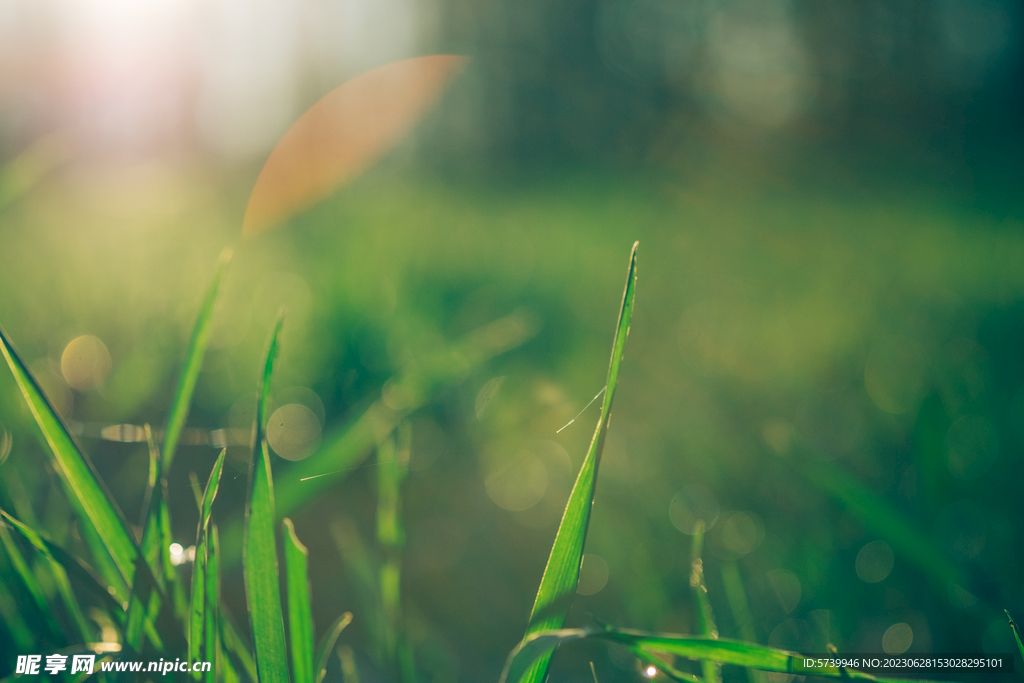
[(343, 133)]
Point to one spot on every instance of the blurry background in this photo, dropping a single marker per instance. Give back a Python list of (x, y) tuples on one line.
[(826, 363)]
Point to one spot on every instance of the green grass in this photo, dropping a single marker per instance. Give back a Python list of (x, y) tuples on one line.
[(146, 602), (561, 575)]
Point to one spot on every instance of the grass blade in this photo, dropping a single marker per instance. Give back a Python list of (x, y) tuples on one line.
[(262, 591), (210, 493), (300, 615), (558, 584), (60, 577), (234, 644), (194, 354), (75, 469), (724, 651), (740, 606), (326, 645), (705, 618), (200, 605), (1016, 633), (197, 605), (154, 546), (72, 566), (30, 583), (210, 632)]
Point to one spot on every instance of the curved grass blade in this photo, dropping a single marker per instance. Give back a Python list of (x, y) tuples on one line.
[(154, 546), (1016, 633), (300, 615), (736, 594), (72, 566), (200, 604), (262, 591), (558, 584), (705, 618), (197, 605), (210, 634), (75, 469), (194, 355), (210, 494), (724, 651), (30, 584), (326, 645)]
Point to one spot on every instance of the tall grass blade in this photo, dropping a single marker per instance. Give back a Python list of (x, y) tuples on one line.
[(210, 632), (156, 535), (300, 614), (194, 354), (262, 591), (1016, 633), (75, 470), (202, 611), (740, 606), (197, 604), (705, 619), (326, 644), (154, 546), (558, 584), (210, 493), (723, 651)]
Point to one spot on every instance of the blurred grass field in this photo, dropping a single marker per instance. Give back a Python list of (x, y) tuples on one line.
[(824, 366)]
